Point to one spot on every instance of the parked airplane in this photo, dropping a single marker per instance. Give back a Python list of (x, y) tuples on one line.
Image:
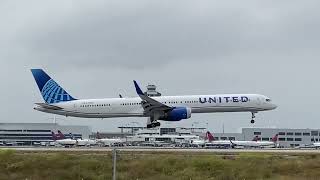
[(209, 141), (316, 145), (216, 143), (60, 139), (166, 108), (109, 141), (201, 142), (256, 143), (86, 142)]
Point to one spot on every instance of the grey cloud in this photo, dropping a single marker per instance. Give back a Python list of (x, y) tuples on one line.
[(150, 33), (95, 50)]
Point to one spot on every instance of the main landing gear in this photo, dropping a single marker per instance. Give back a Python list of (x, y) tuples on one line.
[(153, 125), (253, 117)]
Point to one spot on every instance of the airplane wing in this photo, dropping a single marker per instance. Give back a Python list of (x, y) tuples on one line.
[(150, 105), (48, 106), (233, 145)]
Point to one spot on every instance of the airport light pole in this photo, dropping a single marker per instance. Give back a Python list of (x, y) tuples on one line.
[(114, 164), (207, 125)]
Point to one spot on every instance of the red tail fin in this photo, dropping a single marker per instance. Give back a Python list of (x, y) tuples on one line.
[(209, 136), (275, 138), (61, 135), (256, 138), (54, 136)]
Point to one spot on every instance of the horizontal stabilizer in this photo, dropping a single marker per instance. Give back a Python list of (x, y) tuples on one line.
[(48, 106)]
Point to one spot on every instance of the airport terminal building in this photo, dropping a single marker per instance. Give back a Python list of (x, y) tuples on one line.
[(33, 133)]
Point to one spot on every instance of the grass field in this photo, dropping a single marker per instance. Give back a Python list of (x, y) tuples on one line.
[(157, 166)]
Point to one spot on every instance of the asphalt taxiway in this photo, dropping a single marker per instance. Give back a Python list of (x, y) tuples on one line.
[(181, 150)]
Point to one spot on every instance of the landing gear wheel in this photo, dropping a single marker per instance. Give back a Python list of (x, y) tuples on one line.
[(157, 124), (253, 116), (153, 125)]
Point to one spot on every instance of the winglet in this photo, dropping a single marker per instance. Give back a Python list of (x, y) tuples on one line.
[(139, 91)]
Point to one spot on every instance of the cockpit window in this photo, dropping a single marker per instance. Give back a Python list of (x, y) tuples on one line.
[(268, 100)]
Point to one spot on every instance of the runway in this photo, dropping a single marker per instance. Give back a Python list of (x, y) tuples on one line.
[(162, 150)]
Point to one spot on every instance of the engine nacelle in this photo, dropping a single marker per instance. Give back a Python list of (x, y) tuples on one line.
[(177, 114)]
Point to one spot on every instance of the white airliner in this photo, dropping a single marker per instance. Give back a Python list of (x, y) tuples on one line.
[(60, 139), (63, 141), (86, 142), (316, 145), (166, 108), (109, 141), (256, 143), (210, 141)]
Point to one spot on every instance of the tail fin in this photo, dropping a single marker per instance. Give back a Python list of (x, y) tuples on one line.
[(275, 138), (54, 136), (256, 138), (98, 136), (209, 136), (61, 135), (50, 90)]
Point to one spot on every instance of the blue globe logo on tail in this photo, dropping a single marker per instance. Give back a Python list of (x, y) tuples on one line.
[(50, 90)]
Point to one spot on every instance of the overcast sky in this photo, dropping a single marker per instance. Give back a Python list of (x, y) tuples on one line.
[(94, 49)]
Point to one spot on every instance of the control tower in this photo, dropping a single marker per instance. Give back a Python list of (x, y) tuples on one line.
[(152, 91)]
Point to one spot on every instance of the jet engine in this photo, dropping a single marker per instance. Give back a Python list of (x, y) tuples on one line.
[(177, 114)]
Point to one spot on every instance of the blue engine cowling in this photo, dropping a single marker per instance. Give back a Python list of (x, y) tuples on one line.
[(177, 114)]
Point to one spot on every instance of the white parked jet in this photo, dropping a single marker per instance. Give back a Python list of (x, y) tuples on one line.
[(256, 143), (166, 108), (210, 141), (109, 141), (60, 139), (316, 145)]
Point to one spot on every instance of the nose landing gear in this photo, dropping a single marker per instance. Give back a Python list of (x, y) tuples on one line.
[(253, 117)]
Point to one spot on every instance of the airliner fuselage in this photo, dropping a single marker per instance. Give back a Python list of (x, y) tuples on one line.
[(167, 108), (131, 107)]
